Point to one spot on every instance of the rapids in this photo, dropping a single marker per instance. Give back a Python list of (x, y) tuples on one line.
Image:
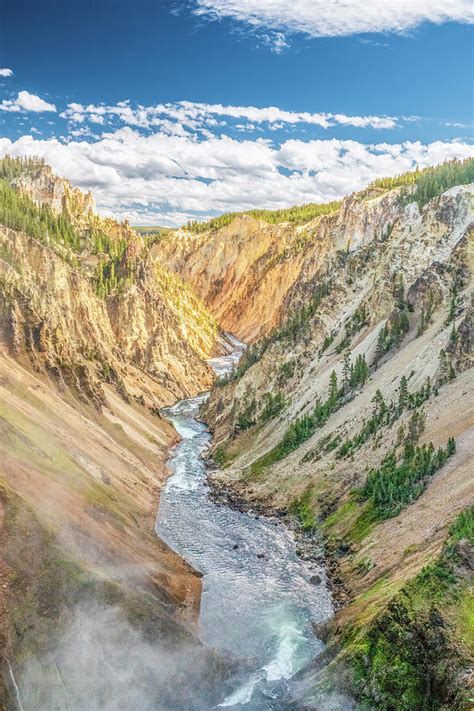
[(257, 602)]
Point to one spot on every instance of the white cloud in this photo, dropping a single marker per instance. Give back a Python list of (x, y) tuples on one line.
[(197, 116), (31, 102), (277, 41), (5, 72), (320, 18), (26, 102), (9, 106), (169, 176), (96, 118)]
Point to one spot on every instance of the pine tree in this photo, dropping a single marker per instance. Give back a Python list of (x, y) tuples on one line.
[(402, 394), (416, 426), (112, 277), (399, 292), (440, 458), (427, 388), (346, 372), (453, 336), (452, 309), (400, 435), (380, 408), (333, 389), (451, 447), (380, 348), (443, 367)]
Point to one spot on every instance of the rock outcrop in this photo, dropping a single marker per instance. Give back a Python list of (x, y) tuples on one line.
[(146, 330), (242, 272)]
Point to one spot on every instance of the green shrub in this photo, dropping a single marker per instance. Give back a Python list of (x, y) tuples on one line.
[(408, 657), (394, 484), (246, 417), (273, 405), (328, 339), (286, 371), (391, 334), (384, 415), (301, 429), (296, 323), (302, 508)]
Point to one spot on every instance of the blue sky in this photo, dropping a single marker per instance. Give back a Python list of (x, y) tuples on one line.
[(172, 110)]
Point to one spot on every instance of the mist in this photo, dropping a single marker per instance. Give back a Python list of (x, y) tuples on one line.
[(101, 663)]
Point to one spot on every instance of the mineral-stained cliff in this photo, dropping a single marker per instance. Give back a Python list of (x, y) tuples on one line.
[(95, 337), (242, 272), (356, 414)]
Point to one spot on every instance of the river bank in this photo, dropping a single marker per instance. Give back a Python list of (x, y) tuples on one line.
[(310, 543)]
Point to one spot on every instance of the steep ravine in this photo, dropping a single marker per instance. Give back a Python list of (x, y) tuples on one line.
[(95, 337), (408, 567), (96, 612)]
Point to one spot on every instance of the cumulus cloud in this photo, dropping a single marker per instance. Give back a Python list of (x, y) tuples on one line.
[(160, 178), (9, 105), (319, 18), (32, 102), (26, 102), (195, 116), (6, 72)]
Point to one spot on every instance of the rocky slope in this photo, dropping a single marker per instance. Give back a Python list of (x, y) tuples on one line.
[(241, 272), (95, 336), (342, 415), (97, 301)]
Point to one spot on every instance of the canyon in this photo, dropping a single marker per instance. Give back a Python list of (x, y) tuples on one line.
[(349, 416)]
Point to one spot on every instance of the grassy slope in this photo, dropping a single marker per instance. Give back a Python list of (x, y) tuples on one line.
[(410, 647)]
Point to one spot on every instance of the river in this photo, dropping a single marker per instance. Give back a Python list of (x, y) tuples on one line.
[(257, 600)]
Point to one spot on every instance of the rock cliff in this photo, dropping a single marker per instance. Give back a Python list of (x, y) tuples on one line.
[(98, 306)]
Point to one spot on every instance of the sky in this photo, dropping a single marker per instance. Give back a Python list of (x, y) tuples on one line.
[(170, 111)]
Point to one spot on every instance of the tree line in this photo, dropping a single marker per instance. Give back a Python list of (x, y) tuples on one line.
[(297, 215)]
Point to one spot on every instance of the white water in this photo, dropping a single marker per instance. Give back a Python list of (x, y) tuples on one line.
[(257, 601)]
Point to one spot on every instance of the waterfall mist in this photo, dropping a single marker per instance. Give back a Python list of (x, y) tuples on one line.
[(101, 663)]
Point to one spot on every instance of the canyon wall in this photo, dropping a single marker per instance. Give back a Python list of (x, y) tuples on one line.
[(351, 411), (330, 414), (95, 337)]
